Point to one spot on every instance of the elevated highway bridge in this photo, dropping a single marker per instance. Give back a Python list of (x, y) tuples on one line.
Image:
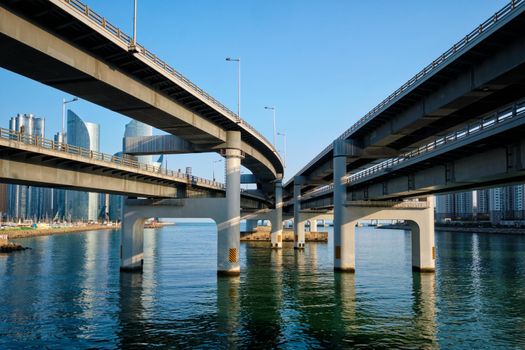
[(455, 125), (66, 45)]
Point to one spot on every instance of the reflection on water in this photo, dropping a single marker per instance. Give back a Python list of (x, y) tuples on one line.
[(67, 292)]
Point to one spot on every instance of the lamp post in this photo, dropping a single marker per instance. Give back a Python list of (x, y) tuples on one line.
[(213, 168), (64, 103), (283, 134), (133, 43), (274, 129), (238, 60)]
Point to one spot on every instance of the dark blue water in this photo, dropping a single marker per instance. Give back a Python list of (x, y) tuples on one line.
[(67, 292)]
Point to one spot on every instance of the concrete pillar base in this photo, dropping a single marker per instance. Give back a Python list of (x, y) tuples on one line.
[(131, 269), (276, 246), (230, 273), (423, 269), (300, 247), (344, 269)]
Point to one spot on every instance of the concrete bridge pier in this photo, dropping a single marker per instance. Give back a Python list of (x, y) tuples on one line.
[(419, 215), (423, 248), (344, 231), (277, 217), (226, 212), (131, 240), (298, 219), (228, 240)]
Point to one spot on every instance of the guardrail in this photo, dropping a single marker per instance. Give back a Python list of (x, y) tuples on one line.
[(488, 122), (123, 160), (83, 9), (437, 63)]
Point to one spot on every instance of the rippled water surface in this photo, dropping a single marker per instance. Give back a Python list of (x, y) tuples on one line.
[(67, 292)]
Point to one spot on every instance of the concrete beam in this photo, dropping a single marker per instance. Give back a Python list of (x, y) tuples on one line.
[(17, 172)]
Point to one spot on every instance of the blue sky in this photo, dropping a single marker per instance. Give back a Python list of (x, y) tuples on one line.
[(322, 64)]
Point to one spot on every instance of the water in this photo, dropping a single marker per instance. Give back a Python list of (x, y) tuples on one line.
[(67, 292)]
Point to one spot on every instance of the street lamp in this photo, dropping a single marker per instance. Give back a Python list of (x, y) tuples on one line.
[(274, 130), (213, 168), (283, 134), (238, 60), (133, 44), (64, 103)]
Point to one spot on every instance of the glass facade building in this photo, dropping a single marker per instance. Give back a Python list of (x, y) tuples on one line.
[(82, 205), (133, 128)]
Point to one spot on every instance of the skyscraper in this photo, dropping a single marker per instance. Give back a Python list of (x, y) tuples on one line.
[(133, 128), (507, 204), (81, 205), (455, 206), (28, 202)]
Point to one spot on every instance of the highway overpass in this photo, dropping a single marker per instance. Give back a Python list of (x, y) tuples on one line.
[(455, 125)]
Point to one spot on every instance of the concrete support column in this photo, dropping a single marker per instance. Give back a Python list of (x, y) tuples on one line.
[(298, 222), (277, 222), (344, 229), (313, 225), (228, 240), (423, 248), (131, 241), (251, 225)]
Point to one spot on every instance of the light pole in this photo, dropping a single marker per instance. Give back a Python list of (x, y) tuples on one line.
[(133, 44), (274, 129), (213, 168), (64, 103), (238, 60), (283, 134)]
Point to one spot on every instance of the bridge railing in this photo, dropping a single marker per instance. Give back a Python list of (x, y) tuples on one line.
[(432, 67), (487, 122), (85, 10), (123, 160)]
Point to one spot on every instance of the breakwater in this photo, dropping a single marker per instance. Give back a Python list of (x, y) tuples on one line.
[(262, 233)]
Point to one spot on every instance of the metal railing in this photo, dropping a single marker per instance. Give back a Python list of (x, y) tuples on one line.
[(123, 160), (84, 10), (436, 64), (487, 122)]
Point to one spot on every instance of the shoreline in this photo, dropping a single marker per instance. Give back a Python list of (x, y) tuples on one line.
[(492, 230), (17, 233)]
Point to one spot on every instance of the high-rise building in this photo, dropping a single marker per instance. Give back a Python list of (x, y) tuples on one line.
[(28, 202), (507, 204), (482, 205), (133, 128), (455, 206), (81, 205)]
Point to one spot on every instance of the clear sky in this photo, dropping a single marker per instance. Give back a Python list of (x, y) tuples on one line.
[(323, 64)]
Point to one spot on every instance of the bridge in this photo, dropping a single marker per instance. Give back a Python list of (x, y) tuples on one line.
[(66, 45), (456, 125), (464, 111)]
